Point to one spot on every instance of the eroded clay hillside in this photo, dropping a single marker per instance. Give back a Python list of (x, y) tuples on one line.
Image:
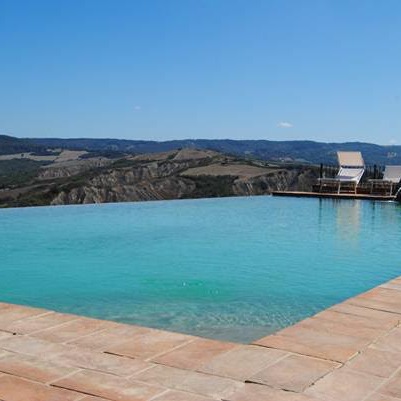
[(178, 174)]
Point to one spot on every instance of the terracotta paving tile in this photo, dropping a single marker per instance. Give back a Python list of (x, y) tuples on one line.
[(29, 325), (345, 384), (381, 397), (173, 395), (314, 343), (107, 363), (33, 368), (360, 321), (376, 362), (110, 337), (72, 330), (108, 386), (310, 327), (13, 314), (4, 305), (32, 346), (242, 362), (386, 299), (335, 327), (160, 375), (380, 295), (4, 354), (195, 354), (396, 279), (15, 307), (257, 392), (193, 382), (396, 282), (80, 371), (4, 335), (294, 373), (17, 389), (392, 286), (393, 387), (372, 293), (210, 386), (150, 344), (392, 307), (390, 342), (382, 317), (383, 293)]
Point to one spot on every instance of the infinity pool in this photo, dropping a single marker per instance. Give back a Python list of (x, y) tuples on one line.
[(233, 268)]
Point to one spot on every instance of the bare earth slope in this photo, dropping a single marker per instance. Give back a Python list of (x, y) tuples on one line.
[(185, 173)]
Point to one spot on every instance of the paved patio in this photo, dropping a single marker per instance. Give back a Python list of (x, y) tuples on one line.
[(350, 352)]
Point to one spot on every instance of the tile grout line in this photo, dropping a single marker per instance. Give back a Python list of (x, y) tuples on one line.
[(298, 353), (354, 314), (192, 340), (77, 370), (387, 379), (71, 342), (159, 395), (269, 364), (374, 341), (384, 379), (23, 319), (351, 300), (153, 356), (32, 333), (132, 377)]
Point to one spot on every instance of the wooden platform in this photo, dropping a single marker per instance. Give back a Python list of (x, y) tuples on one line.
[(329, 195)]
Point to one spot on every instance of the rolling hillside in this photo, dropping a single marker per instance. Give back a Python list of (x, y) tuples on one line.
[(287, 151), (74, 177)]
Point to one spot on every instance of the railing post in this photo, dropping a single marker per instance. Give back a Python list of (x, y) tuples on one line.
[(375, 171), (321, 171)]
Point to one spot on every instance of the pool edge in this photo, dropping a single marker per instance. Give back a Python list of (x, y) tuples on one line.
[(338, 353)]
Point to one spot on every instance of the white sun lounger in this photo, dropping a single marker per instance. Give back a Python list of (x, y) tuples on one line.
[(391, 177), (350, 173)]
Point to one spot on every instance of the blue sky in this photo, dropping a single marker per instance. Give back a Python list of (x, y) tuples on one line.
[(171, 69)]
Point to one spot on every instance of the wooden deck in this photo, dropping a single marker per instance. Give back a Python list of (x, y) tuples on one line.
[(349, 352), (329, 195)]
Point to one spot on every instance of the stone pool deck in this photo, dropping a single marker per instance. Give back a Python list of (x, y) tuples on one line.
[(349, 352)]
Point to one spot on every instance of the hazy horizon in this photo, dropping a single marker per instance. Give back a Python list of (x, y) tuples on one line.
[(196, 139)]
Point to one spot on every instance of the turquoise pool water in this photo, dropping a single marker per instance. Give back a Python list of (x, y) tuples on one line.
[(233, 268)]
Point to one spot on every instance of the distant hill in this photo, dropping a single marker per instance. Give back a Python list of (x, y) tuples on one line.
[(300, 151), (70, 178), (285, 151), (11, 145)]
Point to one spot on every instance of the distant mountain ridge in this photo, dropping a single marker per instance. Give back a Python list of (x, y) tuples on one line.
[(287, 151), (12, 145)]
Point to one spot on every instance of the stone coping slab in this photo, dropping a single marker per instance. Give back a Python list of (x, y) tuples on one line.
[(349, 352)]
